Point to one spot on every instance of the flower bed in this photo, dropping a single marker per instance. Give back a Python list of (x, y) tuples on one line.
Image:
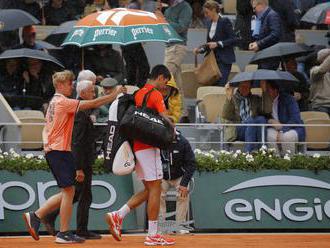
[(211, 161)]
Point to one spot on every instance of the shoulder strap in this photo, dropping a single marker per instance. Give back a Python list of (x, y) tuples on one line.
[(146, 97)]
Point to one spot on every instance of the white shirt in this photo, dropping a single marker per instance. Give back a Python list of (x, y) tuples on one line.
[(213, 29), (275, 109)]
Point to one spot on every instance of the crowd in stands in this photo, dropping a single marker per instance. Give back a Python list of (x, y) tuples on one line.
[(259, 24)]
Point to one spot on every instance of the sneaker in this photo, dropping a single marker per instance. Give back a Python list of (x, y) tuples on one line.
[(68, 238), (114, 221), (32, 223), (158, 240)]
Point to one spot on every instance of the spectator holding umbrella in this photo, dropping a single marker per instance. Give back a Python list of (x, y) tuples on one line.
[(266, 28), (221, 39)]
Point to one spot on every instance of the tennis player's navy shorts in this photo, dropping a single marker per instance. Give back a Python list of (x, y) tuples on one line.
[(63, 167)]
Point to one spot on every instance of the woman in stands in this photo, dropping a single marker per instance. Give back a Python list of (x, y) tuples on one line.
[(220, 38)]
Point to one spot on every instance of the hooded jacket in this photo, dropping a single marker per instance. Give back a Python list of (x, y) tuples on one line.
[(173, 102)]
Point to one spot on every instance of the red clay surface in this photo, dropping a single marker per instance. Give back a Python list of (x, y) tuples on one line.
[(193, 241)]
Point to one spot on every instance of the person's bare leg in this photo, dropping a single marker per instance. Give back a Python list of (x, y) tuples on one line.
[(154, 188), (66, 208), (49, 206)]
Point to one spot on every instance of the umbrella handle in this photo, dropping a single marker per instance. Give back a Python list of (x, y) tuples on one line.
[(196, 61)]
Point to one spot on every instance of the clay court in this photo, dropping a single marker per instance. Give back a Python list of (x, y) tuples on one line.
[(198, 240)]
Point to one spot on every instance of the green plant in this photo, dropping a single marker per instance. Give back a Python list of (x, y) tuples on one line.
[(211, 161)]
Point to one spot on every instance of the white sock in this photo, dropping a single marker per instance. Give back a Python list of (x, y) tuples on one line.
[(124, 211), (152, 227)]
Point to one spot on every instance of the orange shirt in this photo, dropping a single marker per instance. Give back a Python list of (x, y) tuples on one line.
[(155, 102), (60, 115)]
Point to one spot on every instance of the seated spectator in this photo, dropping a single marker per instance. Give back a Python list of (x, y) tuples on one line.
[(179, 165), (320, 83), (37, 82), (172, 99), (104, 61), (244, 108), (8, 39), (10, 80), (32, 7), (57, 12), (109, 86), (29, 38), (299, 90), (76, 7), (285, 111)]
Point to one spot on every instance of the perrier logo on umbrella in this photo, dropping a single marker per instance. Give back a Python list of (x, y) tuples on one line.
[(121, 26)]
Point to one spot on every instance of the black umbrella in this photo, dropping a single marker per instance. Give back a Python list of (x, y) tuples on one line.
[(262, 75), (29, 53), (319, 14), (281, 51), (11, 19), (58, 35)]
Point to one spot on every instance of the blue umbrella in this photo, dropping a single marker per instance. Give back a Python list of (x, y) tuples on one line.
[(262, 74), (11, 19)]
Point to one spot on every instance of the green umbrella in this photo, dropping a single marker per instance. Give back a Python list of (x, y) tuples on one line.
[(121, 26)]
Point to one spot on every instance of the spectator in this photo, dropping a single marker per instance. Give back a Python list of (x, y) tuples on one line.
[(172, 100), (29, 38), (104, 61), (245, 108), (286, 10), (57, 12), (10, 80), (320, 83), (76, 7), (37, 82), (137, 65), (198, 20), (266, 30), (179, 165), (285, 111), (8, 39), (299, 90), (220, 38), (243, 23), (147, 5), (109, 86), (179, 16), (32, 7)]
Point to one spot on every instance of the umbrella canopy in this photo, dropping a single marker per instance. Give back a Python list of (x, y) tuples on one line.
[(29, 53), (262, 75), (57, 36), (319, 14), (11, 19), (121, 26), (281, 51)]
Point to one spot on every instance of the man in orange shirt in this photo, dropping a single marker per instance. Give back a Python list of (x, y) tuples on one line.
[(57, 145), (148, 167)]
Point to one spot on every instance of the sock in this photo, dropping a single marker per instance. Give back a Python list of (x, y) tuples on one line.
[(152, 227), (124, 211)]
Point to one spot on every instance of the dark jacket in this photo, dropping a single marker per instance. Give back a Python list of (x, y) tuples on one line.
[(225, 34), (285, 9), (243, 23), (270, 30), (179, 161), (289, 113), (83, 142)]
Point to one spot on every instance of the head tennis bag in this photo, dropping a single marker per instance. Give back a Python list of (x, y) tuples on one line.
[(147, 126), (118, 154)]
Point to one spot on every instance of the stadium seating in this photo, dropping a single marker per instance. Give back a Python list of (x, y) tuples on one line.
[(31, 133), (306, 115), (213, 104), (189, 84), (318, 134)]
